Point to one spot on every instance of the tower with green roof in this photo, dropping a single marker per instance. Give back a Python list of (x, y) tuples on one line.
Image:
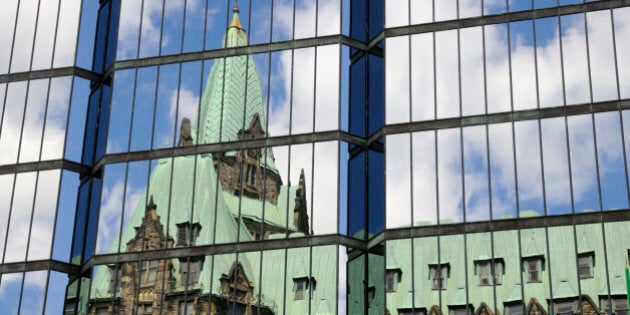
[(224, 197)]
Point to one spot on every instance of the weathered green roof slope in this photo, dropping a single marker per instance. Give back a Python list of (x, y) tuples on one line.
[(232, 96)]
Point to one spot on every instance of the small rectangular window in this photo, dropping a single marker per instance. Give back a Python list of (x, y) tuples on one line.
[(514, 309), (483, 274), (533, 268), (486, 268), (585, 266), (565, 308), (186, 308), (300, 287), (187, 233), (459, 310), (619, 306), (437, 275), (391, 280)]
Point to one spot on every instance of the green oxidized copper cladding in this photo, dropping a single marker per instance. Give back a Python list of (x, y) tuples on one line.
[(232, 96)]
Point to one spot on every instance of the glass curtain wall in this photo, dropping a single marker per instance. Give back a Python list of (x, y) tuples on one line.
[(314, 157)]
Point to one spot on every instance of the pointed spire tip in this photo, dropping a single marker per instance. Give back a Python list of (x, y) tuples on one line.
[(235, 9)]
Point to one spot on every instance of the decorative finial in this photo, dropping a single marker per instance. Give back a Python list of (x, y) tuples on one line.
[(151, 204), (235, 21)]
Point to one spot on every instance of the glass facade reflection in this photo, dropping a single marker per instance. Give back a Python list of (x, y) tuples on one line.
[(314, 157)]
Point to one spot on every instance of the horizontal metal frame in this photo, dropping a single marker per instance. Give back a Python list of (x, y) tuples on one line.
[(50, 73), (505, 225), (27, 266), (374, 245), (238, 51), (229, 248), (357, 246), (504, 18), (229, 146), (503, 117), (44, 166), (336, 135)]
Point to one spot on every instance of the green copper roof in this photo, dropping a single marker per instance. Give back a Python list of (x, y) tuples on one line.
[(232, 96), (186, 189)]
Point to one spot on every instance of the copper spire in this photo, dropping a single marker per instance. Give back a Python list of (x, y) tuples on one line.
[(235, 21)]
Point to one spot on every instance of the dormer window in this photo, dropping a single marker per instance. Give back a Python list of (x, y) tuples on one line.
[(533, 268), (565, 308), (460, 310), (410, 311), (112, 279), (438, 274), (187, 233), (489, 272), (514, 308), (585, 265), (301, 285), (619, 305), (392, 278)]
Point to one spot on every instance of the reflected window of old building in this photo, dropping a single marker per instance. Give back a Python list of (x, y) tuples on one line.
[(370, 295), (485, 268), (585, 265), (148, 271), (187, 233), (514, 308), (112, 279), (619, 305), (251, 175), (102, 311), (411, 311), (392, 278), (301, 285), (145, 309), (565, 308), (533, 267), (459, 310), (236, 309), (68, 309), (186, 308), (438, 274), (189, 271), (299, 288)]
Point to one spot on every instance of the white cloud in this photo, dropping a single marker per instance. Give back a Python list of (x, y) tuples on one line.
[(313, 106), (27, 139), (30, 204), (112, 210), (131, 31), (524, 88), (183, 105), (37, 43)]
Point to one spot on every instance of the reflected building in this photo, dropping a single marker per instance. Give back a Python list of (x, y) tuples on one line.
[(226, 197), (510, 272)]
